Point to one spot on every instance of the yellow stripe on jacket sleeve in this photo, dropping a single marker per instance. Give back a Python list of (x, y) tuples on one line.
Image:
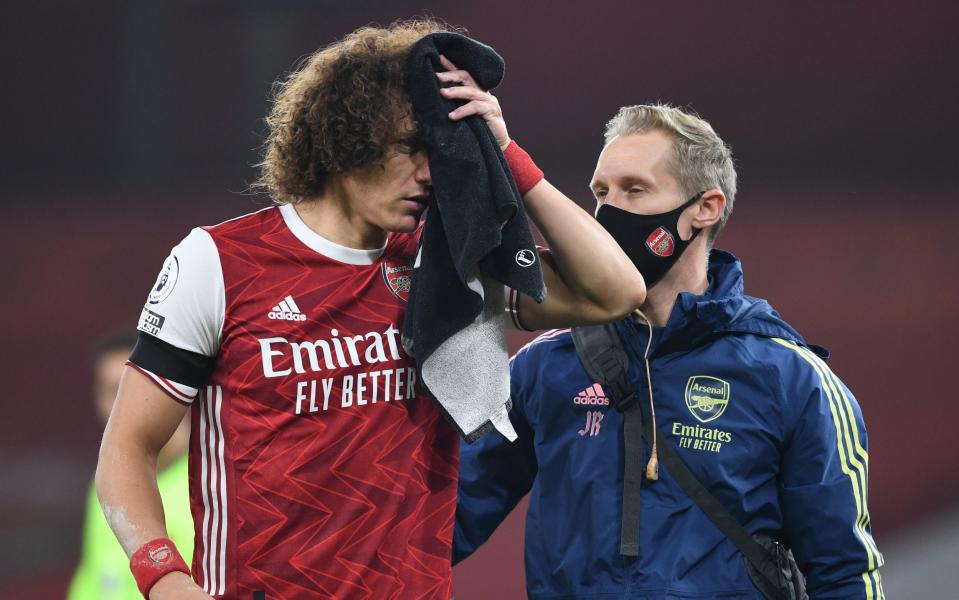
[(841, 410), (839, 392)]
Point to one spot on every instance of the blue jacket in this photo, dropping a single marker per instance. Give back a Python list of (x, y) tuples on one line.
[(750, 407)]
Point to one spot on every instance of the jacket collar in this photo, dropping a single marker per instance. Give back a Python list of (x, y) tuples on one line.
[(724, 309)]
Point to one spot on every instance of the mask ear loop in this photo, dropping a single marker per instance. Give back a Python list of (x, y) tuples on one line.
[(689, 203), (652, 467)]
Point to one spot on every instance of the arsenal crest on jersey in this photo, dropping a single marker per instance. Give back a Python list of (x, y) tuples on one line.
[(660, 242), (398, 275)]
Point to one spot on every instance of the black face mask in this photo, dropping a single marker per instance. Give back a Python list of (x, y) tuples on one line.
[(652, 242)]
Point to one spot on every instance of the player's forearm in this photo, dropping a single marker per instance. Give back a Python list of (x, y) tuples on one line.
[(127, 489), (142, 421), (588, 260)]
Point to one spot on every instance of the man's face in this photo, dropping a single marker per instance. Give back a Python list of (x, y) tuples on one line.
[(391, 196), (106, 379), (633, 173)]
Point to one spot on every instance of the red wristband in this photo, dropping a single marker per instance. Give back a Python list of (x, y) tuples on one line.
[(525, 172), (154, 560)]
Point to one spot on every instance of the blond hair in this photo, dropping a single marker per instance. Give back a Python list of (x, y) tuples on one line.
[(701, 160)]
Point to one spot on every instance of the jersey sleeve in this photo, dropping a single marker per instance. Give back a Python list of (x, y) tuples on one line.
[(494, 475), (512, 308), (182, 320), (823, 486)]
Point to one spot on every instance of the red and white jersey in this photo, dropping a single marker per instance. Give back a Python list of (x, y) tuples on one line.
[(317, 467)]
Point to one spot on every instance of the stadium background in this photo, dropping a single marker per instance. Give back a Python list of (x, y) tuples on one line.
[(127, 122)]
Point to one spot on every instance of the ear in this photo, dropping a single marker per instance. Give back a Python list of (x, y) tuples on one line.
[(711, 208)]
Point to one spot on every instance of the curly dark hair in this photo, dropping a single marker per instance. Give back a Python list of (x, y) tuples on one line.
[(340, 111)]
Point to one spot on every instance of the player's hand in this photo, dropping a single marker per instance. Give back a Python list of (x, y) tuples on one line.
[(478, 101), (177, 586)]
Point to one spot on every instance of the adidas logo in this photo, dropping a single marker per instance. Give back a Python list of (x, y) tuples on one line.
[(592, 396), (286, 310)]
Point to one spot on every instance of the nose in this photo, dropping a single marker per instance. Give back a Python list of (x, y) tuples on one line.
[(421, 173)]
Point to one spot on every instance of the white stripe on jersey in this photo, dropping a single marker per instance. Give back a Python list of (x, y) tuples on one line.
[(211, 481), (203, 489), (213, 491), (284, 307), (214, 474), (223, 497)]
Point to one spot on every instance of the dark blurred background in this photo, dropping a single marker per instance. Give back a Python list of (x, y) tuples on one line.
[(128, 122)]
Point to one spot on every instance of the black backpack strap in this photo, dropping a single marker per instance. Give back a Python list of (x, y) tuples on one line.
[(755, 554), (602, 355), (601, 351)]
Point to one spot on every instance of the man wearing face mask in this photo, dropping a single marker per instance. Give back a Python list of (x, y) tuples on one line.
[(721, 383)]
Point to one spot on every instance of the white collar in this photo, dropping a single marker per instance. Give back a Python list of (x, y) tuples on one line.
[(318, 243)]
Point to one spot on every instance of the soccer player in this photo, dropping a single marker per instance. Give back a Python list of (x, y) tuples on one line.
[(318, 468), (104, 569), (739, 396)]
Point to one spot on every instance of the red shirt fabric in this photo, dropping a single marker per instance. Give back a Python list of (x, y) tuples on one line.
[(318, 469)]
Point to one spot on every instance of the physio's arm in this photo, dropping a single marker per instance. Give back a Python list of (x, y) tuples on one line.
[(142, 421), (588, 277), (494, 476)]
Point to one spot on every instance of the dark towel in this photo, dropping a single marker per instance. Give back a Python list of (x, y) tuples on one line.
[(476, 234)]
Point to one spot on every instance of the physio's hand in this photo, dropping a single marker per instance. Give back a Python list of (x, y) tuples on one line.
[(478, 101), (177, 586)]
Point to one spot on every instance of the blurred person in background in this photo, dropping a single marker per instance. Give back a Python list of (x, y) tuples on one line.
[(104, 569), (737, 394), (266, 326)]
